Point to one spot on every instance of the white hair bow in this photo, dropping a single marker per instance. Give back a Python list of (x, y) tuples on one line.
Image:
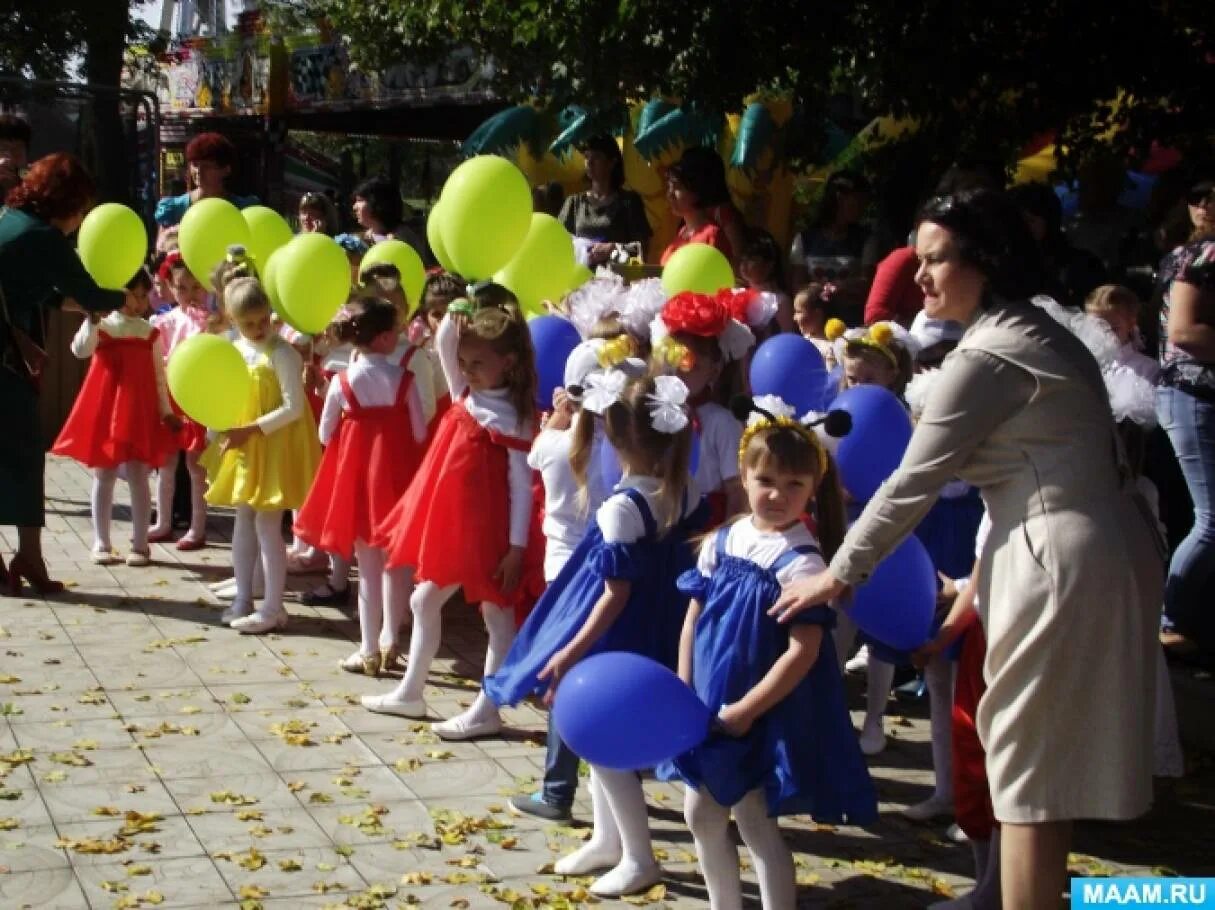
[(602, 389), (774, 405), (668, 413)]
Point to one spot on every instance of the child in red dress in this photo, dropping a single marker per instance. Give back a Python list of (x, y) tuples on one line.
[(466, 517), (121, 417), (373, 427)]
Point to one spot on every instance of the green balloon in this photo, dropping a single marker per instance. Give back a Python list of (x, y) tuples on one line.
[(267, 232), (487, 208), (543, 267), (209, 227), (270, 284), (210, 382), (113, 244), (408, 263), (697, 267), (434, 236), (312, 280)]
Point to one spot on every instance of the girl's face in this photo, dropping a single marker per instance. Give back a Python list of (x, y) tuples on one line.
[(808, 318), (311, 221), (952, 288), (755, 272), (869, 369), (682, 200), (253, 325), (484, 368), (187, 291), (436, 309), (778, 499), (139, 301), (704, 369)]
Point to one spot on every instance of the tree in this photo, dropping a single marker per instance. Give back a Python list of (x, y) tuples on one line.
[(978, 77)]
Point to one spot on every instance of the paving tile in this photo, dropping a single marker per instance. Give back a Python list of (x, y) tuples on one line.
[(187, 882), (43, 888), (294, 873), (277, 829), (212, 761), (170, 838)]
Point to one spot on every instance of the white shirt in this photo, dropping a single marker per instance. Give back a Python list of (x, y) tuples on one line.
[(763, 548), (119, 325), (288, 369), (493, 410), (375, 380), (720, 434), (620, 520)]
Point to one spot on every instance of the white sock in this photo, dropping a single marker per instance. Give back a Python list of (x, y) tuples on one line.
[(198, 497), (500, 624), (371, 596), (939, 675), (603, 850), (427, 605), (273, 549), (101, 502), (769, 852), (398, 586), (709, 822), (626, 799), (141, 505)]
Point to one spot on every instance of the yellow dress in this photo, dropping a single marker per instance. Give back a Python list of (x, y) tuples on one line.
[(268, 472)]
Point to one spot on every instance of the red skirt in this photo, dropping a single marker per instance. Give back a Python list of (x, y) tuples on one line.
[(453, 523), (364, 472), (116, 417), (192, 437), (971, 795)]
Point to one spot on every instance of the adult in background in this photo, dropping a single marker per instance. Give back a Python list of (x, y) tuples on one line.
[(210, 158), (1069, 273), (317, 215), (39, 269), (606, 214), (698, 195), (14, 150), (1185, 405), (380, 213), (1071, 575), (834, 233)]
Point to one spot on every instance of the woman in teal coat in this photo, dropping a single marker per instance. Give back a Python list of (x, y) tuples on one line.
[(39, 269)]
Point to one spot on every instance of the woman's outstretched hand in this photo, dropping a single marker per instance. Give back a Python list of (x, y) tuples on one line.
[(804, 593)]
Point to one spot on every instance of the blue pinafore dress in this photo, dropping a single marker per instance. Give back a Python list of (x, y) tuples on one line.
[(649, 624), (803, 752)]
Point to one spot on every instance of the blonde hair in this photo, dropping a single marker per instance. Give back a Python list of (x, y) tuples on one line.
[(904, 367), (503, 328), (628, 427), (1112, 297), (243, 296)]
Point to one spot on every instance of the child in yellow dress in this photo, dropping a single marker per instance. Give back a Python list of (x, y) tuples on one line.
[(266, 463)]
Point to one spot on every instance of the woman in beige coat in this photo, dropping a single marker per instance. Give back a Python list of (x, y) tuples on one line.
[(1071, 577)]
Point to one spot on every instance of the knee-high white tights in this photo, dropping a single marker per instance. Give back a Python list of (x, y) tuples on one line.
[(383, 598), (260, 534), (166, 485), (102, 505), (426, 604), (879, 676), (709, 822)]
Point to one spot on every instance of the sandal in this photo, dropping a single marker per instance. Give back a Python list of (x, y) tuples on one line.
[(326, 596)]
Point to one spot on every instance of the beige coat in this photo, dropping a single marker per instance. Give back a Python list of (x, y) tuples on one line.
[(1072, 575)]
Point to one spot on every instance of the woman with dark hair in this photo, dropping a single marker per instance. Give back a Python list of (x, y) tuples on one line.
[(835, 232), (697, 193), (210, 158), (380, 213), (1069, 273), (606, 215), (38, 269), (1185, 404), (1071, 574)]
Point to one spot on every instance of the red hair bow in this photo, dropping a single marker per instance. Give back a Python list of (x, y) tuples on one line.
[(695, 314)]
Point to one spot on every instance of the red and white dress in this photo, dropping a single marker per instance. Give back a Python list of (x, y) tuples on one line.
[(472, 499), (119, 413), (176, 326), (373, 427)]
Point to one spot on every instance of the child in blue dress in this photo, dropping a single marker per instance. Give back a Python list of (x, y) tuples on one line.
[(616, 593), (783, 742)]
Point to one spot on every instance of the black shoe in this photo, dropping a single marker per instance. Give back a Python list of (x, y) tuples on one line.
[(326, 596), (535, 806)]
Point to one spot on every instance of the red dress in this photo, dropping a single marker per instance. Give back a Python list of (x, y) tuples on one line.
[(972, 797), (453, 523), (365, 470), (116, 417)]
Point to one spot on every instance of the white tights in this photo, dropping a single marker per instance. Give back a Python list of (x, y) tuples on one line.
[(166, 485), (426, 604), (259, 533), (986, 893), (879, 675), (102, 502), (709, 822), (620, 839), (383, 598), (939, 674)]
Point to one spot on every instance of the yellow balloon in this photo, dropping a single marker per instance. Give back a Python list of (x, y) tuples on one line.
[(697, 267), (208, 228), (267, 232), (407, 261), (312, 279), (487, 208), (113, 243), (543, 268), (434, 236), (209, 380)]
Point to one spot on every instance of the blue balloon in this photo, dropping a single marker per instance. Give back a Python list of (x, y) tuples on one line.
[(624, 711), (790, 367), (881, 429), (896, 605), (553, 338)]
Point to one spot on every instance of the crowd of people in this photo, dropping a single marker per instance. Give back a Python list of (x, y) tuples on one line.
[(653, 506)]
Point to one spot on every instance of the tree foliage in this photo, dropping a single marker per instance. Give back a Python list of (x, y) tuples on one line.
[(41, 39), (978, 77)]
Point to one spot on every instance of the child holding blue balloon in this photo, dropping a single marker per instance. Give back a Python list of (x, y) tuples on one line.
[(783, 741), (616, 593)]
